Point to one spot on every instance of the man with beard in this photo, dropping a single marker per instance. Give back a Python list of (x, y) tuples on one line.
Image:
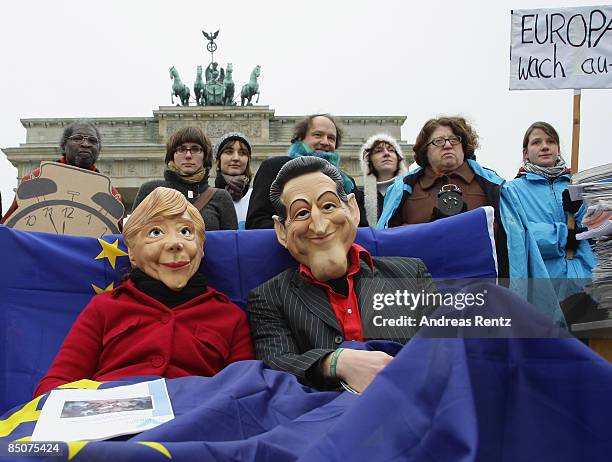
[(300, 317), (80, 146)]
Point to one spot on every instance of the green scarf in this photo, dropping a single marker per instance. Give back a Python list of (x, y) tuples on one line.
[(299, 148)]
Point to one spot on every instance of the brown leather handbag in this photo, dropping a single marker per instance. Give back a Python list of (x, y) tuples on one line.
[(204, 198)]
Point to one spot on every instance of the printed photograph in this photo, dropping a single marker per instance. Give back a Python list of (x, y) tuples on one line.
[(104, 406)]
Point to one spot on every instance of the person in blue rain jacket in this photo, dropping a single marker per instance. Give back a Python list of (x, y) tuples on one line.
[(541, 187)]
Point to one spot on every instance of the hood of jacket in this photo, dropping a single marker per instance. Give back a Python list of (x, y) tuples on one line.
[(370, 182)]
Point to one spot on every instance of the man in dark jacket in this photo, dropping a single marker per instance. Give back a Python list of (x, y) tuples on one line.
[(316, 135)]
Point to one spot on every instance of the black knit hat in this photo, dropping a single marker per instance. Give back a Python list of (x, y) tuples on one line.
[(226, 138)]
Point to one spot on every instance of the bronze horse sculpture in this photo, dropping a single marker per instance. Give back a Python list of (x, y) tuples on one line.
[(198, 87), (179, 88), (251, 88), (228, 82)]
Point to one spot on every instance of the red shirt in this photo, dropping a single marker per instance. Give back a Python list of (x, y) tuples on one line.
[(346, 308), (126, 333)]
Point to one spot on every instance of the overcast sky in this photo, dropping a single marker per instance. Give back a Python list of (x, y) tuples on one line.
[(384, 57)]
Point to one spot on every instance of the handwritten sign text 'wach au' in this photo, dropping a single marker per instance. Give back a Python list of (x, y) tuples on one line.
[(561, 48)]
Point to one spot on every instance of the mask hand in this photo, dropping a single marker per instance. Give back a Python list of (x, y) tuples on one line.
[(358, 367)]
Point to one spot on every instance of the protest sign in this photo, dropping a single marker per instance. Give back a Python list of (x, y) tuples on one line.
[(558, 48)]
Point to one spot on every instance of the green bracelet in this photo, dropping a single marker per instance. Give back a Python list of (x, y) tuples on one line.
[(334, 362)]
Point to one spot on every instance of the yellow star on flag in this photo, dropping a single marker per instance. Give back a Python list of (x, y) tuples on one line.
[(158, 447), (108, 288), (110, 251), (28, 413), (74, 447)]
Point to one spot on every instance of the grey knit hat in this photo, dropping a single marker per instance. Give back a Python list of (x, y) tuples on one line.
[(226, 138)]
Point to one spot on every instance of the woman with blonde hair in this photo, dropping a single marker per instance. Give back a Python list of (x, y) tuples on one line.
[(164, 320)]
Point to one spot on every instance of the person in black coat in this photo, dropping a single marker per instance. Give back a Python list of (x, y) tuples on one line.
[(317, 135), (188, 161)]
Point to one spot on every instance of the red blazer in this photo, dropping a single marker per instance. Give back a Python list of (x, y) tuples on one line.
[(126, 333)]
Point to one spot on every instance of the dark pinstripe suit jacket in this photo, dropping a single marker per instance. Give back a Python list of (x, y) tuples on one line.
[(294, 326)]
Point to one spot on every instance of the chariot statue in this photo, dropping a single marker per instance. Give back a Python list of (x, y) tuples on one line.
[(214, 89), (214, 86)]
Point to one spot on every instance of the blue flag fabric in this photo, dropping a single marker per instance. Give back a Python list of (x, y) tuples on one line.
[(46, 280), (439, 399)]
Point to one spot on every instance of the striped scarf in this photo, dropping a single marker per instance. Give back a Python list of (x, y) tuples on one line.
[(550, 173)]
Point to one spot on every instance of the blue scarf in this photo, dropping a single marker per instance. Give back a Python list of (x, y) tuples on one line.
[(299, 149)]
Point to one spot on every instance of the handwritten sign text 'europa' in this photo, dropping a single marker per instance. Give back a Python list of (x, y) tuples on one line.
[(561, 48)]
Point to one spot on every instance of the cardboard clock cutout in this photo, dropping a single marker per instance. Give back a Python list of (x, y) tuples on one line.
[(67, 200)]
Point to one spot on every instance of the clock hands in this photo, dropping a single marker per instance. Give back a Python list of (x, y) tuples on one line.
[(53, 223)]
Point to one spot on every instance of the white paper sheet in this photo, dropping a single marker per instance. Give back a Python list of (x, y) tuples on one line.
[(79, 415)]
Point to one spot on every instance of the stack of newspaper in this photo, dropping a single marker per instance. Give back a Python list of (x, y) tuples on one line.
[(594, 186)]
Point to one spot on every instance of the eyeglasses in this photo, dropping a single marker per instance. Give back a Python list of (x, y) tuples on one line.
[(194, 150), (82, 138), (441, 141)]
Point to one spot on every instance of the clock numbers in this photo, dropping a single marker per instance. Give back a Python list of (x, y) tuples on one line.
[(68, 211), (30, 220), (88, 216), (48, 212)]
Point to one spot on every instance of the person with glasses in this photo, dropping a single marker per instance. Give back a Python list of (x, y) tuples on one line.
[(80, 146), (188, 163), (444, 150), (541, 186), (381, 162)]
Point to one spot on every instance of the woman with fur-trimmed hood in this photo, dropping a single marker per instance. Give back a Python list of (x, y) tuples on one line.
[(381, 162)]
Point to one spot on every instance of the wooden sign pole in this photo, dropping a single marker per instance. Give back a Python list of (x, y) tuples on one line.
[(571, 222), (576, 132)]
